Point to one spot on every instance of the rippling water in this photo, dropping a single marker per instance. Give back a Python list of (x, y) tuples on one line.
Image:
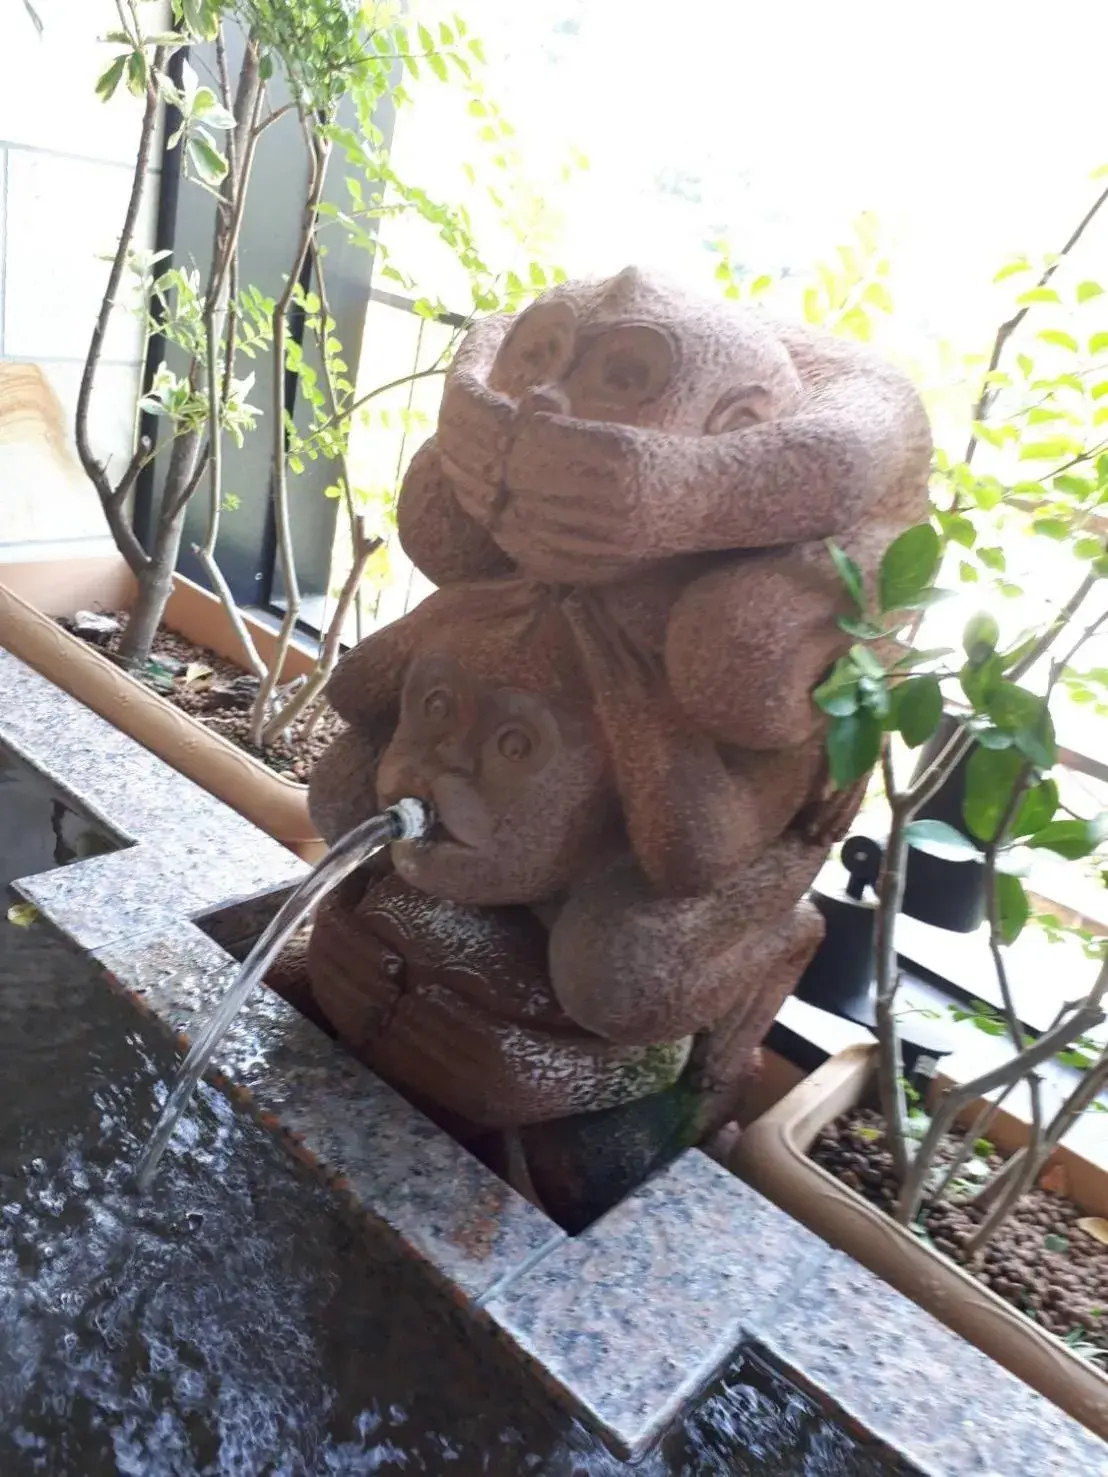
[(235, 1321)]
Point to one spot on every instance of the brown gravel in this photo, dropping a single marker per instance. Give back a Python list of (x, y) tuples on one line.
[(1040, 1261), (207, 699)]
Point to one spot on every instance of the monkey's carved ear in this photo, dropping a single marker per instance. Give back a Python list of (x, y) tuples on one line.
[(368, 679), (436, 533)]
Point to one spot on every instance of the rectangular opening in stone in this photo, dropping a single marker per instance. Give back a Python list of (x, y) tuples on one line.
[(43, 827), (585, 1163)]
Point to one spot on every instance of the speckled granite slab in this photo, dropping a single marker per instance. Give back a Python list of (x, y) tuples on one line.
[(637, 1314), (442, 1205), (188, 851), (907, 1379), (626, 1323)]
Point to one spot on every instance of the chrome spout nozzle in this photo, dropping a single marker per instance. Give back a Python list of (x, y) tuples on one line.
[(410, 819)]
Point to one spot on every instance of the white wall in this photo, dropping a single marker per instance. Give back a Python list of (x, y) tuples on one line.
[(65, 173)]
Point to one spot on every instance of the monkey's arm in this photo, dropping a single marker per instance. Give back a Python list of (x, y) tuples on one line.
[(634, 967), (853, 443), (436, 533), (592, 502), (692, 819)]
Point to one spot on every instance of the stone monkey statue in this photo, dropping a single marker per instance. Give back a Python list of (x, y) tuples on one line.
[(609, 698)]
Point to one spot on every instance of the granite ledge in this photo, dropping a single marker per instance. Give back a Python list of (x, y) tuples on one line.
[(906, 1379), (631, 1320), (383, 1156)]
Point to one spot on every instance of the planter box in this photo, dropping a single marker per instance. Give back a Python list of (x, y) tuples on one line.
[(32, 593), (772, 1156)]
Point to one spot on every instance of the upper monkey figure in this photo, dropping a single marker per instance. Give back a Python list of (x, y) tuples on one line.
[(619, 424)]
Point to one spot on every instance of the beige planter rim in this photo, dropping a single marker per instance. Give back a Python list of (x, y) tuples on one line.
[(772, 1155), (276, 805)]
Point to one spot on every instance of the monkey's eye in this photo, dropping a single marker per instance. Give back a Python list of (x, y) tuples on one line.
[(625, 367), (739, 409), (537, 349), (514, 743), (438, 704)]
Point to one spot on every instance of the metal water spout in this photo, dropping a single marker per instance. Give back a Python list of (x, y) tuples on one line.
[(407, 820)]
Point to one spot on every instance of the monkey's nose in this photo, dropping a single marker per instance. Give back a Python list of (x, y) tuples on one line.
[(546, 399)]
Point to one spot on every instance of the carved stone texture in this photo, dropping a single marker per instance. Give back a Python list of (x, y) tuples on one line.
[(608, 702)]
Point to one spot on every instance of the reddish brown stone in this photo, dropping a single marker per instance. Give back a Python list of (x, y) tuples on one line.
[(608, 701)]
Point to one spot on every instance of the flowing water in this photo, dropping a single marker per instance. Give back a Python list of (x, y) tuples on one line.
[(234, 1322), (407, 820)]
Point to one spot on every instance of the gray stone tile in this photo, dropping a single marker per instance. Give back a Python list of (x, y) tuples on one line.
[(916, 1385), (392, 1163), (131, 790), (633, 1318)]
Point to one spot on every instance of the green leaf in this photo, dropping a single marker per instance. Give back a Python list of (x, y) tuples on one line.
[(1038, 295), (917, 706), (1088, 548), (919, 658), (838, 694), (1013, 708), (208, 162), (849, 573), (1036, 808), (1087, 290), (853, 747), (136, 73), (979, 678), (110, 79), (959, 530), (866, 662), (1036, 742), (991, 776), (1058, 449), (909, 566), (938, 839), (864, 630), (1013, 908), (1055, 1243), (1098, 343), (993, 738), (980, 637), (1071, 839), (22, 915), (1055, 528), (1060, 338)]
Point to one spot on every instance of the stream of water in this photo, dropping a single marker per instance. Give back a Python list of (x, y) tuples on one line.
[(407, 820)]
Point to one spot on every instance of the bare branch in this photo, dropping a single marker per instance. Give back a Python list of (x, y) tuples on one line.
[(121, 530), (1008, 328), (319, 149), (958, 1097)]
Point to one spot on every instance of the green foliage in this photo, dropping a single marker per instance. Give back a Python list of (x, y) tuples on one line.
[(939, 839), (908, 569)]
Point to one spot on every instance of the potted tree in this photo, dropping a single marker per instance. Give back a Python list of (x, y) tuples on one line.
[(320, 63), (920, 1193)]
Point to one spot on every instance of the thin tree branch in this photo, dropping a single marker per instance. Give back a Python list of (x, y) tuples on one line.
[(319, 150), (958, 1097), (405, 379), (118, 523), (973, 1135), (1008, 328)]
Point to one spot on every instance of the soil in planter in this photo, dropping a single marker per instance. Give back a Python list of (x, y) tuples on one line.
[(1040, 1260), (220, 695)]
